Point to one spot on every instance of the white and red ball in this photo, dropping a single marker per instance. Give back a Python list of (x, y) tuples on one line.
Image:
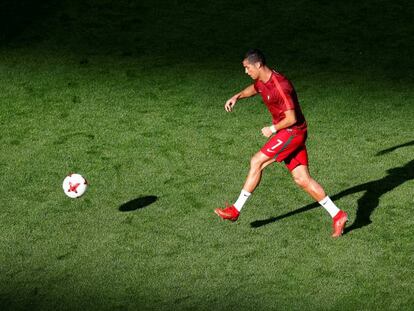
[(74, 185)]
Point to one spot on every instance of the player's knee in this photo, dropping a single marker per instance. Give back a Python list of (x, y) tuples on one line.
[(256, 162), (302, 181)]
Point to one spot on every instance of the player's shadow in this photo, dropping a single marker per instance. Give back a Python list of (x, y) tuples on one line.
[(382, 152), (138, 203), (366, 204)]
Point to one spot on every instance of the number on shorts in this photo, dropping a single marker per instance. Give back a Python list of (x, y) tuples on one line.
[(279, 142)]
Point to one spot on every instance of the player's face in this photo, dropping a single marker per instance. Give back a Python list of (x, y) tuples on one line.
[(251, 69)]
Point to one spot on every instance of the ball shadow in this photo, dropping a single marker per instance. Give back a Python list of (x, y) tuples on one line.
[(138, 203)]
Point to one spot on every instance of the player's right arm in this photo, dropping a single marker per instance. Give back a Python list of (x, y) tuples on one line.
[(247, 92)]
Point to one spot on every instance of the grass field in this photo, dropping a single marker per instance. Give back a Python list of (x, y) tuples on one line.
[(131, 95)]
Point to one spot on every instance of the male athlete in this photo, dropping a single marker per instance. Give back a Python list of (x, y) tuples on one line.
[(287, 134)]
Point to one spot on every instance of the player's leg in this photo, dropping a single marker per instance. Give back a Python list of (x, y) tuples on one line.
[(302, 178), (257, 164), (273, 150)]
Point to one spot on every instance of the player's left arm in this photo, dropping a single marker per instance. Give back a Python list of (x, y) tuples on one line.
[(289, 120)]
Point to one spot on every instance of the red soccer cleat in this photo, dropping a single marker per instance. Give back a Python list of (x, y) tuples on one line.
[(229, 213), (339, 222)]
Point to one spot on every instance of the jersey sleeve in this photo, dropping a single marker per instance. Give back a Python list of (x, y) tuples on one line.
[(285, 90), (288, 101)]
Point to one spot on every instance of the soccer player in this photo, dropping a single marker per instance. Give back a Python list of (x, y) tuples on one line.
[(287, 136)]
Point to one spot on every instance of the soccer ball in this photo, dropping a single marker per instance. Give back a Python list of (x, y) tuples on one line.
[(74, 185)]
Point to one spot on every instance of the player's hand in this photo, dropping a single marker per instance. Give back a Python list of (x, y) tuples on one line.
[(230, 104), (266, 131)]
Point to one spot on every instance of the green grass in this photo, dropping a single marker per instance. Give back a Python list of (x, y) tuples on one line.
[(131, 96)]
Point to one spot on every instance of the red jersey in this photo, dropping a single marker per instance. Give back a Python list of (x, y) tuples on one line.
[(279, 96)]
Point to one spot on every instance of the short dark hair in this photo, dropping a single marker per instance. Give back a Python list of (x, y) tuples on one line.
[(255, 56)]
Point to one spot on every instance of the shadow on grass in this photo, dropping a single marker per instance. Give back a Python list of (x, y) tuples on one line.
[(138, 203), (366, 204), (385, 151)]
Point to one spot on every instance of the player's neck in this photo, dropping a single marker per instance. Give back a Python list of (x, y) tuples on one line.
[(265, 74)]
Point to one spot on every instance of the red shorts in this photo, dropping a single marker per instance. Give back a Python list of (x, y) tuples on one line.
[(288, 145)]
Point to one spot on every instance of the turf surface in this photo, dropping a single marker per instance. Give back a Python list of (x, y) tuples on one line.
[(131, 94)]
